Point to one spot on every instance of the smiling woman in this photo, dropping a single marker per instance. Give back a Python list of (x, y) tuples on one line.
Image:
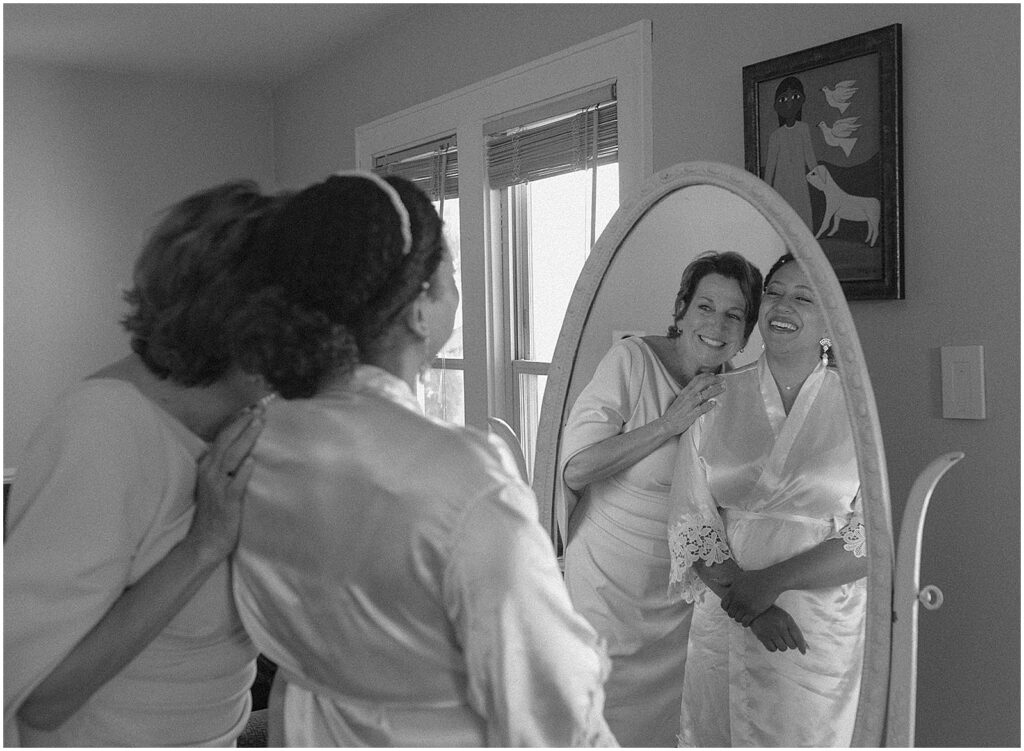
[(677, 215), (619, 445), (792, 327), (767, 515)]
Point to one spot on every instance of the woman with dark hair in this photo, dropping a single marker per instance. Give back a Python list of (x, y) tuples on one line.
[(767, 515), (119, 627), (391, 565), (618, 447), (790, 154)]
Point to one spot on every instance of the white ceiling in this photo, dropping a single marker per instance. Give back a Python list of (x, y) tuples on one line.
[(238, 43)]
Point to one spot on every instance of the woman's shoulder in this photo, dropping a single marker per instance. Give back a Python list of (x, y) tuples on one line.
[(102, 403), (461, 445), (103, 389), (834, 382), (630, 348), (625, 361), (101, 423), (469, 456)]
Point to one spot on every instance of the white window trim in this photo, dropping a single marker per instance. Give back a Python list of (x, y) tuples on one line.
[(622, 57)]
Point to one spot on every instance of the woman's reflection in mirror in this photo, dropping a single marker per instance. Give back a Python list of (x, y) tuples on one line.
[(766, 514), (618, 449)]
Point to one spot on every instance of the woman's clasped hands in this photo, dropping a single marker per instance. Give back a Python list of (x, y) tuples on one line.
[(223, 474), (777, 631), (749, 601)]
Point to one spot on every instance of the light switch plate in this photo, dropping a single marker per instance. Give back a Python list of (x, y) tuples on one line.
[(963, 383)]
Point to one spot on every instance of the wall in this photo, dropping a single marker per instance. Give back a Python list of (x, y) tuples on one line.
[(962, 230), (89, 162)]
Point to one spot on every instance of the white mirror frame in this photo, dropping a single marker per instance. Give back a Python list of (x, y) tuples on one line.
[(869, 729)]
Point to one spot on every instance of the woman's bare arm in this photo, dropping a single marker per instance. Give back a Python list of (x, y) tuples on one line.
[(828, 564), (612, 455)]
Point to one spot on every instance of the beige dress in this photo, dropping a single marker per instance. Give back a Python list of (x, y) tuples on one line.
[(617, 556), (104, 491), (395, 570)]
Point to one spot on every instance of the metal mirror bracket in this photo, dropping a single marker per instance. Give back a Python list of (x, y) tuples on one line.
[(871, 713)]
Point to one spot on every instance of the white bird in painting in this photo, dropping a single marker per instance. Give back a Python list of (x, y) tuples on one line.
[(839, 96), (841, 133)]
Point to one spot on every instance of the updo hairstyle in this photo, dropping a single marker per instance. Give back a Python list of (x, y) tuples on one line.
[(779, 263), (179, 298), (331, 271), (729, 264)]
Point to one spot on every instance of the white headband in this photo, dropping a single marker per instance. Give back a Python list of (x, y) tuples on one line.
[(396, 201)]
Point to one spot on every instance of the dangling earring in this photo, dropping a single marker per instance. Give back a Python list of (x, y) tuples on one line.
[(826, 345)]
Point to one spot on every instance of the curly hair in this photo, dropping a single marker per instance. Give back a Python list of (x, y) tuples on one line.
[(330, 275), (179, 301), (729, 264)]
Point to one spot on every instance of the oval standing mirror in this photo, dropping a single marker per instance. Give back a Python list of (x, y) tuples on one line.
[(628, 286)]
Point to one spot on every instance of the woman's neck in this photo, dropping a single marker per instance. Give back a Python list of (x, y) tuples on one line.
[(674, 357), (401, 362), (790, 372)]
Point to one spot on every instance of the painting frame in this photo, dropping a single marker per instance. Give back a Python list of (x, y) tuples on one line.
[(854, 202)]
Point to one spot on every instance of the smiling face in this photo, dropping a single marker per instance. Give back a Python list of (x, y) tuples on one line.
[(711, 329), (791, 321)]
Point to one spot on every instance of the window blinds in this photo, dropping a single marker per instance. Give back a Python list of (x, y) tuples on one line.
[(425, 165), (554, 147)]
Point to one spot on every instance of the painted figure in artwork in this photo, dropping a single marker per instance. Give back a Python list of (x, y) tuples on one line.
[(790, 150)]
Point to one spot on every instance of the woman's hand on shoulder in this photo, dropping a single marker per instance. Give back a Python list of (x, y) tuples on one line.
[(695, 399), (223, 474), (777, 631)]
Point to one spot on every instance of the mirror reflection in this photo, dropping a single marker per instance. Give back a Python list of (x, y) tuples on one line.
[(706, 444)]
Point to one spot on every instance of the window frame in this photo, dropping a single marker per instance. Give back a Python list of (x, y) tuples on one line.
[(521, 357), (621, 57)]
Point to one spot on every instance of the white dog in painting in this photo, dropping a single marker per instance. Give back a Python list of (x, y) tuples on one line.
[(841, 205)]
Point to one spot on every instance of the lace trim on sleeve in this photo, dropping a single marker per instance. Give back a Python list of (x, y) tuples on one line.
[(854, 539), (691, 539)]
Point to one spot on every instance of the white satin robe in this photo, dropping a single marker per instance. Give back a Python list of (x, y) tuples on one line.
[(617, 558), (758, 486), (395, 570)]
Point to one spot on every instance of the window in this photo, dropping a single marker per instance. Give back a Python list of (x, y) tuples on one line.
[(556, 185), (434, 167), (542, 90)]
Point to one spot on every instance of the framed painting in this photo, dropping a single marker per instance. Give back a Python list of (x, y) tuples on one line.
[(822, 126)]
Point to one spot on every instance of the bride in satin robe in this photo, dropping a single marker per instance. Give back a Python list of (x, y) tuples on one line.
[(766, 514), (618, 449), (391, 565)]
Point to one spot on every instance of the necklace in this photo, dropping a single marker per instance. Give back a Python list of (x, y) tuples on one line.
[(791, 387)]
